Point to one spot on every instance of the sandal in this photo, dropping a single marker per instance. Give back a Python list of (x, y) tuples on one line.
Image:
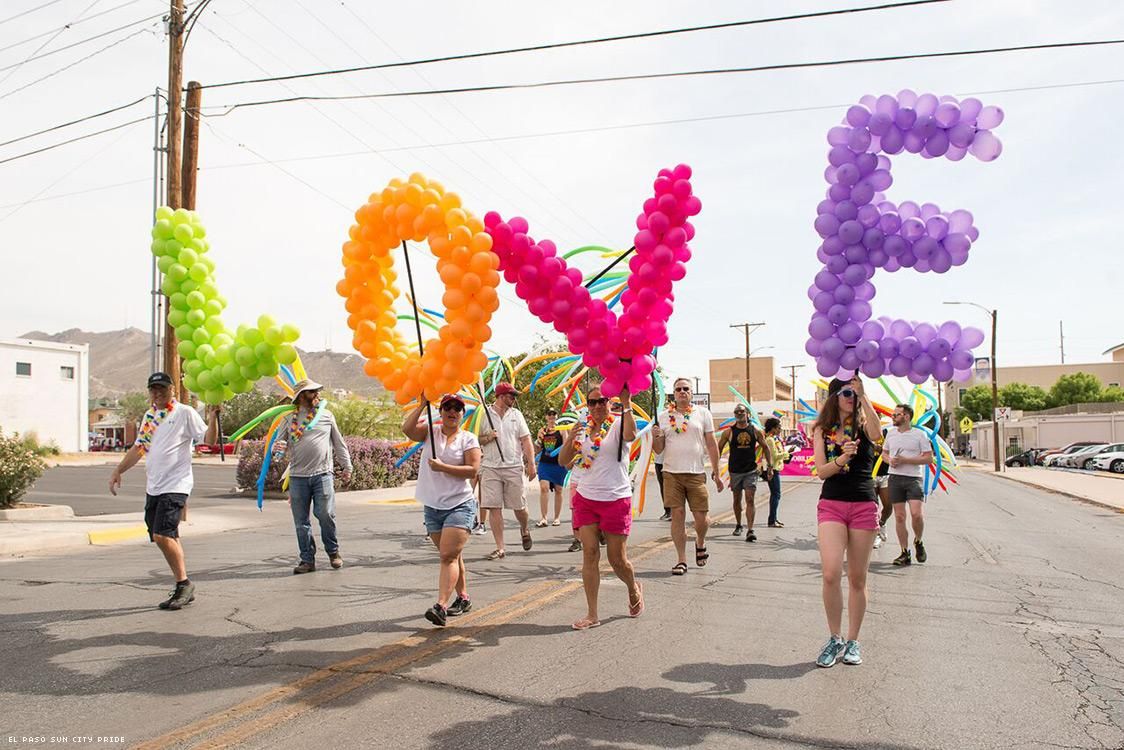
[(542, 523), (635, 610), (527, 541), (680, 569), (556, 522), (585, 624), (496, 554), (701, 556)]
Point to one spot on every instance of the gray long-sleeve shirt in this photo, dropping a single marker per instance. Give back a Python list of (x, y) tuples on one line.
[(312, 455)]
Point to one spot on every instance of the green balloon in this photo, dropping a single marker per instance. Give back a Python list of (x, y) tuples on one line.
[(204, 352), (164, 212), (178, 300), (265, 322), (252, 337), (184, 233), (181, 216), (205, 380), (241, 385), (244, 356), (157, 247), (162, 229), (262, 351), (193, 367), (290, 332), (272, 336), (211, 306), (286, 354), (210, 264), (196, 300), (214, 326), (250, 372), (222, 339), (198, 273), (172, 248), (196, 318), (188, 257), (230, 372), (168, 286), (213, 396), (210, 291), (186, 349), (200, 230), (177, 272), (201, 336), (268, 368), (188, 286), (191, 383), (176, 318), (185, 332), (164, 263), (223, 353)]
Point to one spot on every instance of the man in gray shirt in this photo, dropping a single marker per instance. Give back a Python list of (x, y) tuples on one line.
[(313, 440)]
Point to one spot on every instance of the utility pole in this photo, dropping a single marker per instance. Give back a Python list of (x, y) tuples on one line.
[(175, 196), (1061, 340), (792, 374), (995, 393), (190, 145), (748, 378)]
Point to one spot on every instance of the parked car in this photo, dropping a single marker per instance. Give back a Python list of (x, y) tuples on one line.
[(1076, 459), (212, 449), (1049, 457), (1026, 458), (1110, 461)]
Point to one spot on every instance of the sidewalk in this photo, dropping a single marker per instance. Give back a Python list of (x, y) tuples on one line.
[(21, 538), (1106, 490)]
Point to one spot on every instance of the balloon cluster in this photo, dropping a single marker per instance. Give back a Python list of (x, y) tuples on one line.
[(862, 231), (417, 210), (619, 348), (217, 363)]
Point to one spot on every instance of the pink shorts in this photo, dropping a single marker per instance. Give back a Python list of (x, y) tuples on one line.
[(613, 516), (861, 515)]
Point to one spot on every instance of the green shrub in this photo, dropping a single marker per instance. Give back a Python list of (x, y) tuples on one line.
[(20, 466)]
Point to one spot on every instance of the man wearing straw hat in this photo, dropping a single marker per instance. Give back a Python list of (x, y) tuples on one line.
[(505, 439), (314, 444)]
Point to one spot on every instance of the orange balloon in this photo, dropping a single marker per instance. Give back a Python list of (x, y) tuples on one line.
[(419, 209)]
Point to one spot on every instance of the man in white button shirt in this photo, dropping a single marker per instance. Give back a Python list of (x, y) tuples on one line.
[(508, 457), (167, 436), (908, 451)]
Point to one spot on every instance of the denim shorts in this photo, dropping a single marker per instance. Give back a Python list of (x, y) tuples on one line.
[(460, 517)]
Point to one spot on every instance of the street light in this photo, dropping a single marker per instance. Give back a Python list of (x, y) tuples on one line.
[(994, 380)]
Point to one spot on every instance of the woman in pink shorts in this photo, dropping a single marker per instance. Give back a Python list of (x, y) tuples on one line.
[(603, 501), (843, 437)]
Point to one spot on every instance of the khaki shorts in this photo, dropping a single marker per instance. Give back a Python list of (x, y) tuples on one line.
[(686, 489), (502, 488)]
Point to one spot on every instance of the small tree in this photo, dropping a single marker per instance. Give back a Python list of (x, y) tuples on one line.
[(374, 418), (1112, 393), (244, 407), (1075, 388), (975, 403), (19, 468), (1023, 397), (133, 406)]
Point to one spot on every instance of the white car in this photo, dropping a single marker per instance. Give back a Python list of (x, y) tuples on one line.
[(1054, 458), (1076, 460), (1110, 461), (1084, 459)]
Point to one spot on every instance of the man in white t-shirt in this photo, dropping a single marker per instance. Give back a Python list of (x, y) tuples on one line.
[(907, 450), (508, 455), (167, 436), (684, 434)]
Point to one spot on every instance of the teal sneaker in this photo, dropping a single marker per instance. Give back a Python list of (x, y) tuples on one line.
[(851, 653), (831, 651)]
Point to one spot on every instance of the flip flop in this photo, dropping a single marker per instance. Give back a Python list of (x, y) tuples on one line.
[(496, 554), (635, 610), (585, 624), (542, 523), (556, 522), (680, 569), (701, 556)]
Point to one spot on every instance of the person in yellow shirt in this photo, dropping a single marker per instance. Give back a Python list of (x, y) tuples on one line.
[(773, 473)]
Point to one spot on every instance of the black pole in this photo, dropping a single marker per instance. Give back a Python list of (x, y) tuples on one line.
[(421, 347), (609, 267), (491, 424), (218, 423)]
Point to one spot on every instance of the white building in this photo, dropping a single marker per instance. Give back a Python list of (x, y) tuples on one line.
[(44, 387)]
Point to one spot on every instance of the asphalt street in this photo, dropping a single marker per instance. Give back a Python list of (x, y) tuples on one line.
[(1010, 636), (86, 488)]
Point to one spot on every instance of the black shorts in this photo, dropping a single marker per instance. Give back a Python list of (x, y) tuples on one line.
[(904, 488), (162, 514)]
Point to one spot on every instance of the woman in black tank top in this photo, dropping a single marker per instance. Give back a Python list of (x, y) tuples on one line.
[(843, 438)]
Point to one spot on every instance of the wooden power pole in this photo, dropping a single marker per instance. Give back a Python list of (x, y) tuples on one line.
[(173, 167), (792, 372), (748, 379), (190, 144)]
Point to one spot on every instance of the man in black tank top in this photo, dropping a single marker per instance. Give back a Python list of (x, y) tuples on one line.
[(744, 439)]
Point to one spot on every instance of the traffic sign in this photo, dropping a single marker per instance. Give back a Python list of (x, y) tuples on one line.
[(1002, 413), (966, 425)]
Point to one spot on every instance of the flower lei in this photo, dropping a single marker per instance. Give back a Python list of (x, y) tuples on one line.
[(153, 418), (677, 428), (596, 437), (297, 426), (833, 446)]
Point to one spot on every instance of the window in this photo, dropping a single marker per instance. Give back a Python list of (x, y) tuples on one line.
[(23, 369), (960, 394), (66, 372)]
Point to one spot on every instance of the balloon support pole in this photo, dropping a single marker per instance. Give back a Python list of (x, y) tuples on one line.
[(421, 347), (610, 267)]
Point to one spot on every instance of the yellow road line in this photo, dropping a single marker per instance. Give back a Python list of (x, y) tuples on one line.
[(379, 662), (394, 501)]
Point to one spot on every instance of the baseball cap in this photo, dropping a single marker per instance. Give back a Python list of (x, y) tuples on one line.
[(504, 389), (158, 379)]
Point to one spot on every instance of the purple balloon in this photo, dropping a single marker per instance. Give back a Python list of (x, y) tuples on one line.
[(840, 155), (905, 118), (849, 360), (854, 274), (825, 368), (893, 141), (942, 371), (850, 333), (970, 338), (990, 117), (832, 245), (832, 348), (939, 348), (836, 264), (823, 301), (838, 136), (881, 179), (910, 347), (862, 193), (820, 328), (874, 368), (873, 331), (860, 311), (848, 175), (858, 116), (838, 314), (880, 123), (899, 366), (869, 216), (865, 291), (846, 210), (961, 359), (947, 114), (924, 248), (826, 225), (941, 261), (859, 140), (913, 229), (843, 294), (813, 347), (961, 135), (890, 223), (855, 254), (839, 192), (985, 146), (950, 332), (850, 232), (866, 351), (937, 144), (888, 348), (826, 281)]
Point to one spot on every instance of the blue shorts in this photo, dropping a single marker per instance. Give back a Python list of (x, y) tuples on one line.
[(553, 473), (460, 517)]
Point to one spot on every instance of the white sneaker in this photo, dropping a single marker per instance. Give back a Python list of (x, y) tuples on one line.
[(877, 541), (882, 532), (479, 529)]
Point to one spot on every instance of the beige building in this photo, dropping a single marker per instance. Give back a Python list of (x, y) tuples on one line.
[(1051, 428), (769, 391), (1043, 376)]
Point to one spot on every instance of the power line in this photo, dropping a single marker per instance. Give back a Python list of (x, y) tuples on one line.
[(16, 66), (52, 147), (71, 25), (676, 74), (72, 45), (94, 116), (76, 62), (561, 45), (29, 11)]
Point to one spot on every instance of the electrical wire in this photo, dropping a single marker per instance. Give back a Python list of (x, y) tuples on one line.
[(675, 74), (16, 66), (53, 146), (36, 56), (29, 11), (94, 116), (79, 61), (582, 42), (65, 26)]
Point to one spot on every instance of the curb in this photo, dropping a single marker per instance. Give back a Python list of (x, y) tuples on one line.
[(1080, 498), (115, 536)]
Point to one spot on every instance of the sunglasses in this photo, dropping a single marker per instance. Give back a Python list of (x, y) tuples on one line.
[(597, 401), (683, 389), (452, 407), (847, 393), (740, 412)]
